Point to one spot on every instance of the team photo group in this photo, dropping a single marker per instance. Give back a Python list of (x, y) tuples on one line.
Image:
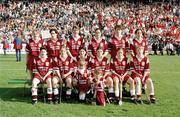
[(90, 66)]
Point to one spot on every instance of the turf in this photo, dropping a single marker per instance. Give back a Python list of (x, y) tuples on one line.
[(165, 72)]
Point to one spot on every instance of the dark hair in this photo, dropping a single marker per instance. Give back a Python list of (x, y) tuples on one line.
[(97, 29), (118, 27), (51, 30), (138, 30), (100, 47), (42, 48), (75, 27)]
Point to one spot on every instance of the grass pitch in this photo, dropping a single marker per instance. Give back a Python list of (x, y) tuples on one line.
[(165, 72)]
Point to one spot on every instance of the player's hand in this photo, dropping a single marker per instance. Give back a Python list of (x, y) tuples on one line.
[(143, 80), (74, 59)]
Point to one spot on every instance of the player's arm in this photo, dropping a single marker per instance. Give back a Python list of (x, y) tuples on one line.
[(69, 53), (47, 74)]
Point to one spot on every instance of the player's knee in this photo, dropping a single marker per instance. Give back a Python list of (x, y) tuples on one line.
[(68, 82), (149, 81), (131, 81), (116, 81), (110, 81), (74, 82), (49, 83), (54, 81), (35, 82), (138, 81)]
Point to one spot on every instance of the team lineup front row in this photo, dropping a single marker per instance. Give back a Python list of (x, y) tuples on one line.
[(90, 68)]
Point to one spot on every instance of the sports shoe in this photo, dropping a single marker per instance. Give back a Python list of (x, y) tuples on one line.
[(49, 102), (120, 102), (139, 101), (153, 100), (34, 102)]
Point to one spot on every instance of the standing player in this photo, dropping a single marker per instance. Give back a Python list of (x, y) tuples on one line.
[(120, 68), (33, 49), (96, 42), (118, 41), (42, 69), (53, 45), (138, 40), (63, 67), (75, 43), (141, 74)]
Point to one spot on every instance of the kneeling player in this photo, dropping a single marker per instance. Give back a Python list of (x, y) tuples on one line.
[(141, 74), (120, 68), (42, 73), (99, 84)]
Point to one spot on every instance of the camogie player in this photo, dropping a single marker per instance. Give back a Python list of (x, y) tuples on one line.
[(75, 42), (118, 41), (33, 49), (102, 63), (141, 74), (63, 67), (138, 40), (120, 69), (42, 69), (99, 85), (82, 74), (96, 42), (53, 45)]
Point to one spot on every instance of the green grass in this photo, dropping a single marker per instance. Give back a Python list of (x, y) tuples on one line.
[(165, 72)]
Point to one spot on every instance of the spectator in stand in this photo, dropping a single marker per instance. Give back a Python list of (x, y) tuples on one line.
[(6, 46)]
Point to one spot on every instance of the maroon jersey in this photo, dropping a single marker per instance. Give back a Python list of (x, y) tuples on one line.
[(99, 86), (120, 67), (94, 46), (102, 65), (53, 48), (74, 46), (135, 43), (82, 77), (33, 48), (63, 65), (87, 59), (117, 43), (42, 67), (140, 66)]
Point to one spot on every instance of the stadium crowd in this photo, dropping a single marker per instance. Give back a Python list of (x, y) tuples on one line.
[(90, 43)]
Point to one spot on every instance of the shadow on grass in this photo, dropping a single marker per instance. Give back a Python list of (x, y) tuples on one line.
[(15, 95), (21, 95)]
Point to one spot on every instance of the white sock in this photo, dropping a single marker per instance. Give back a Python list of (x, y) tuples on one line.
[(68, 92), (111, 90), (82, 96), (49, 90), (34, 91), (132, 92), (116, 93), (55, 91)]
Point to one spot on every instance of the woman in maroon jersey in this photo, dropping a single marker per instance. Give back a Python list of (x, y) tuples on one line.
[(63, 66), (33, 49), (120, 69), (103, 64), (42, 69), (141, 74)]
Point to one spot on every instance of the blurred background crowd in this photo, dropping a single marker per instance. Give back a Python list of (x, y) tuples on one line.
[(159, 19)]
